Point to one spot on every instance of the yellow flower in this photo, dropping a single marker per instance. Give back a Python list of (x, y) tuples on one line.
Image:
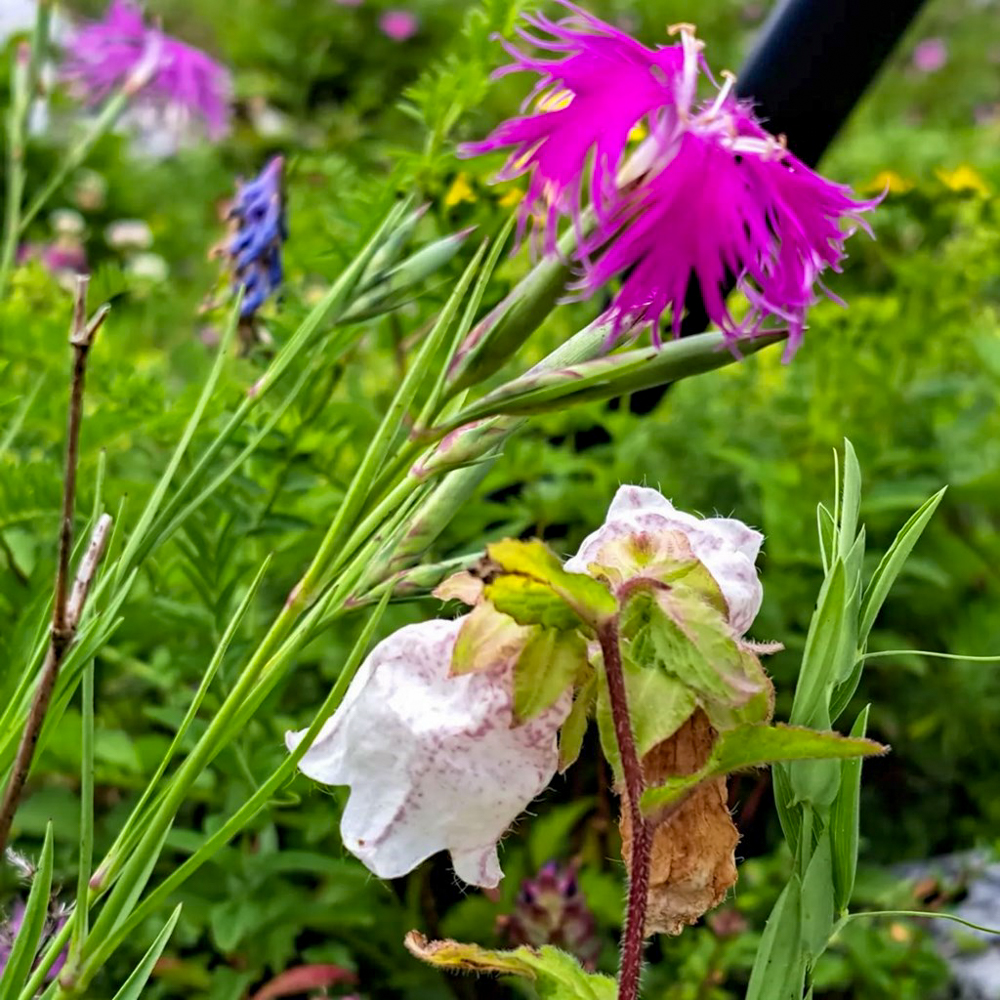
[(889, 180), (511, 198), (964, 178), (460, 190)]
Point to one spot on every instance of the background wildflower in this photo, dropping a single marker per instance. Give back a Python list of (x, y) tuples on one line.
[(930, 55), (259, 229), (551, 909), (105, 55), (399, 25)]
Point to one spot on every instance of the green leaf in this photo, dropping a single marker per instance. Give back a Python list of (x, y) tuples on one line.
[(779, 967), (755, 745), (820, 660), (658, 705), (589, 598), (22, 954), (693, 643), (844, 822), (549, 663), (554, 974), (574, 729), (818, 900), (531, 603), (136, 983), (851, 501), (893, 561)]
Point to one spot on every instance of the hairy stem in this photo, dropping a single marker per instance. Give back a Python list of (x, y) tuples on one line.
[(633, 934), (66, 610)]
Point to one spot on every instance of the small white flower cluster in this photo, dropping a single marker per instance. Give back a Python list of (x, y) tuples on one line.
[(435, 761)]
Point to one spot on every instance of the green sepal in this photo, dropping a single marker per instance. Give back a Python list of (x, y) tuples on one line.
[(692, 642), (658, 705), (549, 663), (589, 599), (574, 729), (529, 602), (487, 637)]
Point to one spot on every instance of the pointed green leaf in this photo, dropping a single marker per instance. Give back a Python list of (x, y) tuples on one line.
[(844, 822), (779, 966), (22, 955), (756, 745), (136, 983), (851, 501), (549, 663), (818, 900), (820, 658), (893, 561), (789, 813)]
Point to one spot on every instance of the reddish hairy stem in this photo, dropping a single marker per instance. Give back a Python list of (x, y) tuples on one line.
[(65, 613), (633, 934)]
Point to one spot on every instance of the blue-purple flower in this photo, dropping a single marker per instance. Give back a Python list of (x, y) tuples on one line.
[(259, 230), (551, 909), (122, 51)]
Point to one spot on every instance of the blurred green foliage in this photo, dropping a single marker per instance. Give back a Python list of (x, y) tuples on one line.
[(910, 372)]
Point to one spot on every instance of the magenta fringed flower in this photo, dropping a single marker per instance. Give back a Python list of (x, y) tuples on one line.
[(587, 104), (122, 51), (707, 195)]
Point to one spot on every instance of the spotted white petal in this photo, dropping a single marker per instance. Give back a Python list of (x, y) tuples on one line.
[(432, 760)]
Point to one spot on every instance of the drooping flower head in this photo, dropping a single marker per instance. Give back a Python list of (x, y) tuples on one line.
[(645, 535), (434, 761), (707, 198), (122, 51), (259, 230)]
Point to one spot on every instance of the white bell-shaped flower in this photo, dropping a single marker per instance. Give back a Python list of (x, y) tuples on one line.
[(643, 525), (433, 761)]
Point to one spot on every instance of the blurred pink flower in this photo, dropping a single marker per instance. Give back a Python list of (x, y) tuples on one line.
[(399, 25), (122, 51), (930, 55)]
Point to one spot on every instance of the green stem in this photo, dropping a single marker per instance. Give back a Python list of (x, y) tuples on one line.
[(80, 916), (100, 127)]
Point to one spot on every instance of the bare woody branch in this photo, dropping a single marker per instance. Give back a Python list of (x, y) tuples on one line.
[(67, 607)]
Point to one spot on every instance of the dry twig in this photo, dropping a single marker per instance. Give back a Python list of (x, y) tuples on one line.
[(67, 608)]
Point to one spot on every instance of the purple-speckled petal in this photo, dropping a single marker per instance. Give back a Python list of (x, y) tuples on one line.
[(432, 760), (726, 547)]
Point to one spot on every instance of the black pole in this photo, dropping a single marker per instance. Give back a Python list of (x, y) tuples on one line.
[(812, 62)]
